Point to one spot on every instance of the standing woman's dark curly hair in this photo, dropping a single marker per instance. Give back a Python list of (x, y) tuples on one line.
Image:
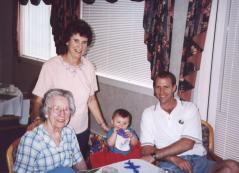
[(78, 27)]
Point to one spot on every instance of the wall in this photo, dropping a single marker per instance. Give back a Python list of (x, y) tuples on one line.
[(110, 97), (26, 75), (6, 40)]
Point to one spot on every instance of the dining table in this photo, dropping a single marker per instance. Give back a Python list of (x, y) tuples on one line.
[(131, 166), (13, 103)]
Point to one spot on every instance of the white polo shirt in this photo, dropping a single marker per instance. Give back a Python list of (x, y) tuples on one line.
[(81, 81), (161, 129)]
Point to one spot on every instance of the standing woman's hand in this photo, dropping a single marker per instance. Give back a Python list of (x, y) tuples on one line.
[(96, 112), (105, 127)]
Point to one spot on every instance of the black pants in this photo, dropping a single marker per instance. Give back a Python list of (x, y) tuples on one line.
[(83, 139)]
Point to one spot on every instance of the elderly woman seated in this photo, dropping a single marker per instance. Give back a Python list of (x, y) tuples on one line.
[(52, 145)]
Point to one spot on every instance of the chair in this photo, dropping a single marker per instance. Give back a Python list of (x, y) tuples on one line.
[(12, 148), (10, 154), (208, 141)]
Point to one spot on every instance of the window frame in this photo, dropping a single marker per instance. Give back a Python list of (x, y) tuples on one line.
[(118, 81), (102, 78)]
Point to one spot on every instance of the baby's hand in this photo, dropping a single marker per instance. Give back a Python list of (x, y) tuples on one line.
[(116, 129), (128, 133)]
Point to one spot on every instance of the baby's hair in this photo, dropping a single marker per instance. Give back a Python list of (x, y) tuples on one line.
[(123, 113)]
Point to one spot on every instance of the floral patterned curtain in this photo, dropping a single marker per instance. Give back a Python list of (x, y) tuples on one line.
[(62, 13), (158, 24), (194, 39)]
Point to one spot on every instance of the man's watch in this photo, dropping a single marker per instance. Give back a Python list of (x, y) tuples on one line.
[(154, 155)]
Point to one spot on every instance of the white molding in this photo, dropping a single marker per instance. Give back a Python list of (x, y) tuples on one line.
[(203, 80), (126, 85)]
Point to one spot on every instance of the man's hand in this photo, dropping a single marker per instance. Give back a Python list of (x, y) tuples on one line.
[(182, 164), (148, 158)]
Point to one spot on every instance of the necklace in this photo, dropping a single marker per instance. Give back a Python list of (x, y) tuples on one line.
[(73, 69)]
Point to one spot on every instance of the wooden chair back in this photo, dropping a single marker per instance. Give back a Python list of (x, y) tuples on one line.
[(10, 155), (11, 150), (207, 136), (208, 141)]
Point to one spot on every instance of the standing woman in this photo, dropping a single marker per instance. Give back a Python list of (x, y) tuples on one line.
[(72, 71)]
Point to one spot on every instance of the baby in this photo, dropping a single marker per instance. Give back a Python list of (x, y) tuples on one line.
[(120, 137)]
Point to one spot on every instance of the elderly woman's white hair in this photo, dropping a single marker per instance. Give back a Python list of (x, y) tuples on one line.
[(56, 92)]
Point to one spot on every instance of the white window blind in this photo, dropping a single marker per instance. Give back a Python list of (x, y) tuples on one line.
[(118, 51), (36, 40), (227, 117)]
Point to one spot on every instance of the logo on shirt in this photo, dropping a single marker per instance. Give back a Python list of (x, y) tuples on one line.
[(180, 121)]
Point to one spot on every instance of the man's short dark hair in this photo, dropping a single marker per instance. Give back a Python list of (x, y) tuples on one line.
[(165, 74)]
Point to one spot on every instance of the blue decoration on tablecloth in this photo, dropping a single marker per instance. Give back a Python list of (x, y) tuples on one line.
[(132, 166)]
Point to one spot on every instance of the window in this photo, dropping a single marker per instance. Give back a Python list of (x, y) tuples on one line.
[(119, 51), (36, 40), (225, 81)]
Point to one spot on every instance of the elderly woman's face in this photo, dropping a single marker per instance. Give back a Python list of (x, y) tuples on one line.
[(59, 112)]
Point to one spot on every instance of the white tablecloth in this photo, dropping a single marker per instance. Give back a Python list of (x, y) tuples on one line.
[(142, 167), (12, 103)]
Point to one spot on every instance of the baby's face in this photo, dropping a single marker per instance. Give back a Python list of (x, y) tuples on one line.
[(120, 122)]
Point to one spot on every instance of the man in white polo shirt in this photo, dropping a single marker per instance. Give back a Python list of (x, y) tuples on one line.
[(171, 131)]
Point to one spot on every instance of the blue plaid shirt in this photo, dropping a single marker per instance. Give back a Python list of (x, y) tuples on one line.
[(37, 152)]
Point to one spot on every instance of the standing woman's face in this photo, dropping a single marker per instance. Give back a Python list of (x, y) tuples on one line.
[(59, 112), (77, 46)]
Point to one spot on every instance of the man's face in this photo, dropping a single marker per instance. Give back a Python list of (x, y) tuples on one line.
[(164, 90)]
